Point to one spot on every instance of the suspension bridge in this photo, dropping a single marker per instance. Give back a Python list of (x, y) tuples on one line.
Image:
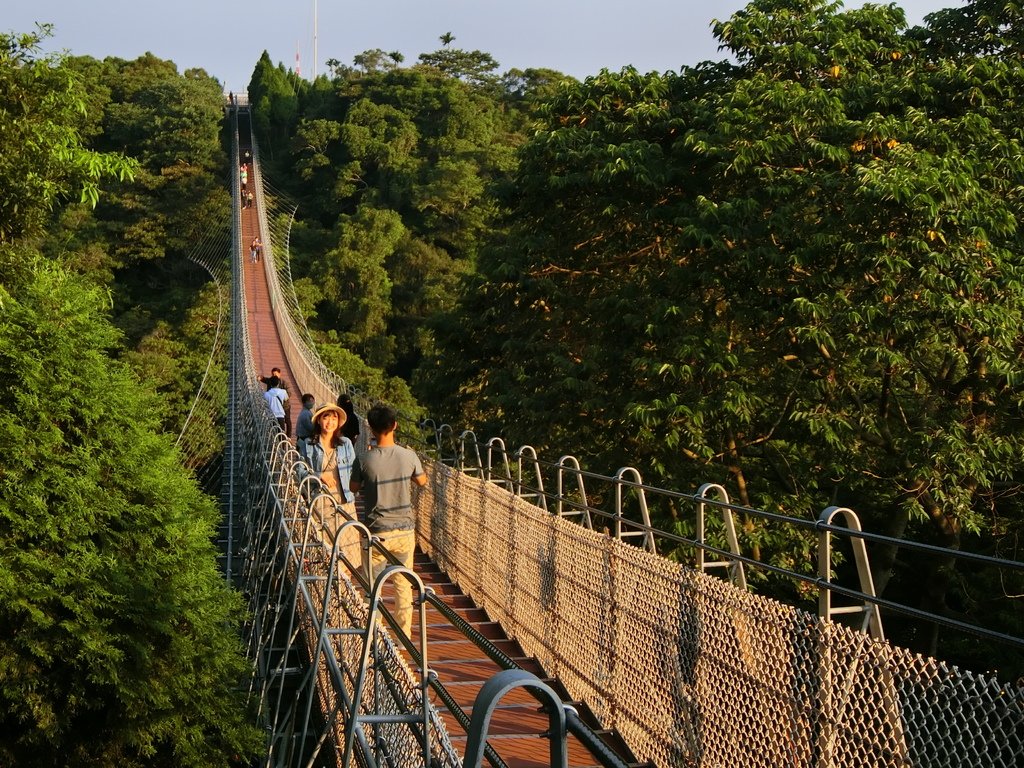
[(548, 631)]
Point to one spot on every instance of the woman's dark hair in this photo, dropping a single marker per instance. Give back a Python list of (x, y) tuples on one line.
[(351, 426)]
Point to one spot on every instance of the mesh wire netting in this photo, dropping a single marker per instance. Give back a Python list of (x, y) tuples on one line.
[(693, 671), (304, 617)]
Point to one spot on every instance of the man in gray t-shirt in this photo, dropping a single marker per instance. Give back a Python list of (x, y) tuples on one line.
[(383, 476)]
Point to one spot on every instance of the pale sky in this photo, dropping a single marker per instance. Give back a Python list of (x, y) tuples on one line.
[(226, 37)]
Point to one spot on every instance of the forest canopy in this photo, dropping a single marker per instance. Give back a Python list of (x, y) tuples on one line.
[(796, 272)]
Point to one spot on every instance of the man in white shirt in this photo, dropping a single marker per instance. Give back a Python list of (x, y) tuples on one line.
[(276, 398), (275, 372)]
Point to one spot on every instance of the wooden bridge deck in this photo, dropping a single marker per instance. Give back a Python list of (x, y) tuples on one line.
[(517, 726), (263, 334)]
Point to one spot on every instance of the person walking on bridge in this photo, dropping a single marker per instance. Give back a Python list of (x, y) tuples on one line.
[(351, 426), (383, 476), (276, 398), (304, 427), (331, 456), (282, 382)]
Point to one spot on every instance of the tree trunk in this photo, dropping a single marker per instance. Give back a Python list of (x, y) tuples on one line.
[(940, 569), (741, 485), (883, 556)]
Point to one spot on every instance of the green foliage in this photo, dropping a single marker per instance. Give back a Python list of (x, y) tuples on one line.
[(172, 356), (313, 140), (797, 273), (354, 274), (118, 643), (978, 28), (376, 385), (42, 161), (475, 67), (527, 91), (274, 105), (396, 195), (170, 123), (556, 330), (376, 60), (135, 242)]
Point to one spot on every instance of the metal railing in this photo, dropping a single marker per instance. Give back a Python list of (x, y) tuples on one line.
[(693, 670), (569, 491)]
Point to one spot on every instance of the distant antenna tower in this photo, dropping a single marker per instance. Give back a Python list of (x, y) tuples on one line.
[(316, 57), (298, 64)]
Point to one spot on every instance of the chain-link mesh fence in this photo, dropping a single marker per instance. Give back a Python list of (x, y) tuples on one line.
[(693, 671), (308, 630)]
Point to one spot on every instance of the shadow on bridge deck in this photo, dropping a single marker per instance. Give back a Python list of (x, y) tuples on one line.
[(517, 727)]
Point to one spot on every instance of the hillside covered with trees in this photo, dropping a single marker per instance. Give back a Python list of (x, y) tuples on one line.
[(118, 635)]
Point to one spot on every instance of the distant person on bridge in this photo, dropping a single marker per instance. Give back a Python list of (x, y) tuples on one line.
[(275, 373), (383, 476), (304, 427), (351, 426), (276, 397), (255, 249)]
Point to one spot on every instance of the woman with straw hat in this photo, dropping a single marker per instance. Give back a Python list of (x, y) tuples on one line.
[(331, 456)]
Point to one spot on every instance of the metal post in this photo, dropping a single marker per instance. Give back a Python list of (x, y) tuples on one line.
[(737, 573), (872, 618)]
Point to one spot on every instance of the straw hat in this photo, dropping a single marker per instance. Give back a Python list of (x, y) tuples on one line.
[(342, 416)]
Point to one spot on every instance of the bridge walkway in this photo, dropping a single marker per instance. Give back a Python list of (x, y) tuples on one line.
[(517, 726), (267, 346), (690, 669)]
